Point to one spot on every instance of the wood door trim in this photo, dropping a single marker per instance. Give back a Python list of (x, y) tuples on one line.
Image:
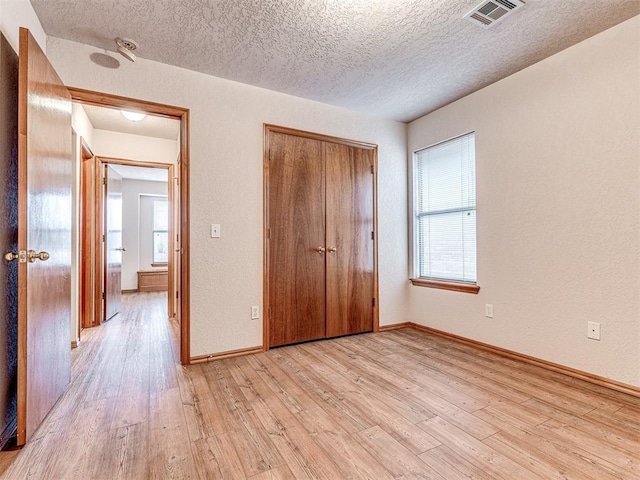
[(171, 237), (319, 136), (99, 99), (116, 101), (134, 163), (22, 241), (267, 130)]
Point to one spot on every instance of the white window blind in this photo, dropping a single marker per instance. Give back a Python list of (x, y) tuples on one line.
[(445, 211), (160, 231)]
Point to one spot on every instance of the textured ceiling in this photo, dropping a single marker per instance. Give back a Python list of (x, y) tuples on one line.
[(397, 59), (151, 126)]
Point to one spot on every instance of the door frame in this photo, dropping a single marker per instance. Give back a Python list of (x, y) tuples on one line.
[(180, 230), (270, 128), (101, 259)]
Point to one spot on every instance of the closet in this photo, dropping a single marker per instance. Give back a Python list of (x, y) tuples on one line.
[(320, 251)]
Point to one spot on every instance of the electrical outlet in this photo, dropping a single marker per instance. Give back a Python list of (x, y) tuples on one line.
[(255, 312), (488, 310), (593, 330)]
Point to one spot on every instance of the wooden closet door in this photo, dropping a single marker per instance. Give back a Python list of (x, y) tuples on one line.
[(296, 222), (350, 215)]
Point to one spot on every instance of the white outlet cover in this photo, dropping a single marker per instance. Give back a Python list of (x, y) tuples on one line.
[(593, 330)]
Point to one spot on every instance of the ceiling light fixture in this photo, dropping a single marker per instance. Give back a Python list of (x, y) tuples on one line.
[(126, 47), (133, 116)]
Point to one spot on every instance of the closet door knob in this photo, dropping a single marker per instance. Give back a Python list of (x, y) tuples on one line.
[(332, 249), (320, 249)]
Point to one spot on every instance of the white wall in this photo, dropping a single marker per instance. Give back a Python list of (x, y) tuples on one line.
[(558, 158), (134, 147), (19, 13), (131, 239), (81, 124), (226, 146)]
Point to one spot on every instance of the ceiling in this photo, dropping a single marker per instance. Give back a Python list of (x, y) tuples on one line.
[(141, 173), (151, 126), (397, 59)]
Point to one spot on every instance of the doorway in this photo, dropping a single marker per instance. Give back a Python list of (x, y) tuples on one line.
[(93, 188)]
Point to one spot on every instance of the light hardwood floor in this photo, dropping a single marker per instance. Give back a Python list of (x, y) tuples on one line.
[(400, 404)]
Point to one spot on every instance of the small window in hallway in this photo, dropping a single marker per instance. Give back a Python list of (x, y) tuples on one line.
[(160, 231)]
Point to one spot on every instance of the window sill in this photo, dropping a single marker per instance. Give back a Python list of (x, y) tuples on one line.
[(454, 286)]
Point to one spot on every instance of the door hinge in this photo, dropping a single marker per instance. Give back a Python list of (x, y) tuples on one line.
[(103, 238), (104, 180), (372, 236), (103, 295), (374, 301), (177, 293), (269, 233), (372, 170)]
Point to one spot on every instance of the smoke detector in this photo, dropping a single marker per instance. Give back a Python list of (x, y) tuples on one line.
[(490, 12), (126, 47)]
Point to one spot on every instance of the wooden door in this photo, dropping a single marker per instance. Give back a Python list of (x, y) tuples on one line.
[(44, 225), (91, 238), (296, 239), (350, 254), (113, 243)]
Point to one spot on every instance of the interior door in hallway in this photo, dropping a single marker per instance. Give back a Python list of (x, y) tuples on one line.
[(296, 240), (113, 243), (349, 239), (44, 237)]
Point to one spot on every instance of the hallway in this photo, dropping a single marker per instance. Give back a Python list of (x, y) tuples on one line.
[(123, 373)]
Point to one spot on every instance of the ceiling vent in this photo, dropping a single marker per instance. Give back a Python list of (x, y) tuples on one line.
[(490, 12)]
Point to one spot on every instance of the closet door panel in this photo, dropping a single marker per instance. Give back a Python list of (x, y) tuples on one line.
[(350, 215), (296, 222)]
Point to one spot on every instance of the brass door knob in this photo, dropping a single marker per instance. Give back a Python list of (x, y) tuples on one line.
[(21, 255), (32, 256), (332, 249), (320, 250)]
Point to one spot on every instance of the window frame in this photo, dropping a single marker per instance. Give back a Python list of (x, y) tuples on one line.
[(154, 261), (429, 282)]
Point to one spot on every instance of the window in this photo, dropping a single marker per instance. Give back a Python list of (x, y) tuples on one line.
[(160, 231), (445, 215)]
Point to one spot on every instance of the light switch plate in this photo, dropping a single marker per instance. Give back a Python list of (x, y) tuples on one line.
[(215, 230)]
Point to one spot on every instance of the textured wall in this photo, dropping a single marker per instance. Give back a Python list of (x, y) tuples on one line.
[(81, 124), (19, 13), (226, 184), (558, 157)]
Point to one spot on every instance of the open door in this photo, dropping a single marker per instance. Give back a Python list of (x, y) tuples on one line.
[(113, 243), (44, 237)]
